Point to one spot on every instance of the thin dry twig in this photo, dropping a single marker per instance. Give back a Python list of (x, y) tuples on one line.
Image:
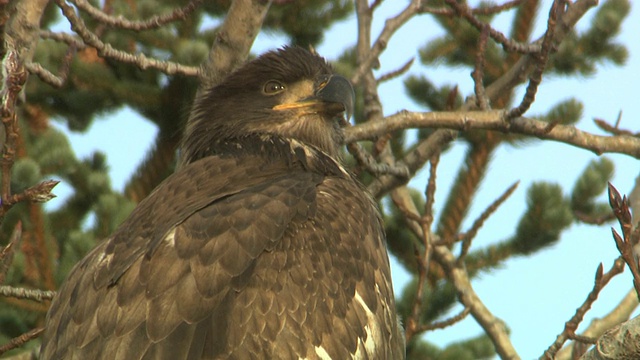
[(447, 322), (509, 45), (15, 77), (21, 340), (367, 161), (29, 294), (485, 10), (45, 75), (430, 191), (8, 252), (66, 38), (478, 70), (106, 50), (477, 224), (390, 27), (414, 326), (395, 73), (518, 73), (414, 160), (569, 331), (593, 220), (614, 129), (152, 23), (541, 64)]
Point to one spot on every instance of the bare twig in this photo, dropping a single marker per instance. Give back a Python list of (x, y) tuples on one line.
[(151, 23), (430, 192), (478, 70), (48, 77), (66, 38), (414, 160), (447, 322), (614, 129), (45, 75), (404, 203), (369, 163), (21, 340), (495, 120), (477, 224), (7, 253), (485, 10), (29, 294), (540, 65), (395, 73), (509, 45), (390, 27), (601, 280), (518, 73), (106, 50), (15, 76)]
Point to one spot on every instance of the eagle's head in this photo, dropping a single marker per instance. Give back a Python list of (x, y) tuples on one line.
[(289, 92)]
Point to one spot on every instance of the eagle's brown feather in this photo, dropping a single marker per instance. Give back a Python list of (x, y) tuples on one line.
[(259, 247)]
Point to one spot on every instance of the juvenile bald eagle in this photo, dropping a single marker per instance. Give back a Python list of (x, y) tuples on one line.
[(260, 246)]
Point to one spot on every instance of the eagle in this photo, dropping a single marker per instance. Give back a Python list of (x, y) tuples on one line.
[(260, 246)]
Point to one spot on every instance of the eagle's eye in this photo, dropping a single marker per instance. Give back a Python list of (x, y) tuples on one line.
[(273, 87)]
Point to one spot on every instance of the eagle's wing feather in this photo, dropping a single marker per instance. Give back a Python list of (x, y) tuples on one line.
[(280, 268), (261, 246), (186, 274)]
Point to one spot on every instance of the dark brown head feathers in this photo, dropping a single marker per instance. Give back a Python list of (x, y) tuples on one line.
[(243, 104)]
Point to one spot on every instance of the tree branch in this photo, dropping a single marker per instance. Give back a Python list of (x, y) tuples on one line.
[(494, 327), (602, 279), (518, 73), (598, 326), (152, 23), (29, 294), (496, 120), (233, 40), (106, 50)]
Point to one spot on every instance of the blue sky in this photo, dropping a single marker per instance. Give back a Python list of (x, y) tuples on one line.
[(534, 296)]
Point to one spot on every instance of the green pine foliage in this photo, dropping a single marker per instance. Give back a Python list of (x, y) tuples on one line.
[(97, 86)]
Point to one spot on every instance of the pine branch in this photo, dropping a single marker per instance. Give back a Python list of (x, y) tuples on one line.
[(465, 186), (155, 167)]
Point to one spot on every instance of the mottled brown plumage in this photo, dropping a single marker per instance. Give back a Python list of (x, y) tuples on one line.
[(260, 246)]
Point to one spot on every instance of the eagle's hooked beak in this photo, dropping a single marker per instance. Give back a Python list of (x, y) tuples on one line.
[(333, 95)]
